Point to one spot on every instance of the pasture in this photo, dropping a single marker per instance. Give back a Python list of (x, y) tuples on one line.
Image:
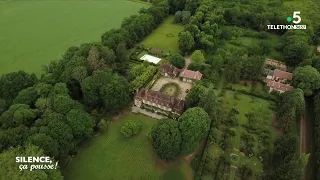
[(165, 37), (33, 33), (113, 156)]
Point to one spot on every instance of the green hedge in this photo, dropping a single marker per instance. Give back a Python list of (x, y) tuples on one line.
[(255, 94)]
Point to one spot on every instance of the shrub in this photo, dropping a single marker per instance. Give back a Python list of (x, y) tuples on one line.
[(130, 128), (103, 124)]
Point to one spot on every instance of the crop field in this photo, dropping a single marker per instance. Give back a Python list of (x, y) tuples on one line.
[(165, 37), (33, 33), (113, 156)]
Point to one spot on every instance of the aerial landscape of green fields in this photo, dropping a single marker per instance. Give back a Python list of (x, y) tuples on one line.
[(159, 89), (33, 33)]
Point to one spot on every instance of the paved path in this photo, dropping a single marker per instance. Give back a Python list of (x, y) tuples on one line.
[(188, 61), (136, 109)]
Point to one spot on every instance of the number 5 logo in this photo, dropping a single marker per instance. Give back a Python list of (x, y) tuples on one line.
[(295, 15)]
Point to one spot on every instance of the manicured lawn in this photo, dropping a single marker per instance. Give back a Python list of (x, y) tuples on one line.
[(32, 33), (159, 39), (113, 156)]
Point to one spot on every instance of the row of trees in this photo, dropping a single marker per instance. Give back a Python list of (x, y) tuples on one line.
[(287, 165), (171, 138), (47, 112), (317, 132), (290, 107), (202, 30)]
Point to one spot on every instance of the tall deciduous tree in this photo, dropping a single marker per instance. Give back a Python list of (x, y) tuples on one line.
[(81, 123), (194, 96), (106, 90), (186, 41), (79, 73), (209, 102), (12, 83), (194, 125), (94, 59), (306, 78), (233, 68), (177, 60), (26, 96), (197, 57), (166, 139)]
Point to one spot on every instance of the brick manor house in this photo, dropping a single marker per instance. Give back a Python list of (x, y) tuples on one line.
[(169, 104)]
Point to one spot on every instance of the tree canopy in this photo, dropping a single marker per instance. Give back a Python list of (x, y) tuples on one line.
[(166, 139), (177, 60), (194, 125), (306, 78)]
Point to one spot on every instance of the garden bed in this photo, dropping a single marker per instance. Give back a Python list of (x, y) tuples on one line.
[(171, 89)]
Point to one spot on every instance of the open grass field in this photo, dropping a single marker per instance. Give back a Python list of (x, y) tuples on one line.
[(159, 38), (32, 33), (113, 156)]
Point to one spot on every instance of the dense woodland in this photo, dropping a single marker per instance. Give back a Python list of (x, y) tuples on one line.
[(54, 113)]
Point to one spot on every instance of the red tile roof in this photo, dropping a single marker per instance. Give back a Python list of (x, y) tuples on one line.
[(282, 74), (278, 85), (191, 74), (171, 70)]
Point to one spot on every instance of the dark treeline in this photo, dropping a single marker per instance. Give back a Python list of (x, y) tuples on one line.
[(65, 105), (317, 132)]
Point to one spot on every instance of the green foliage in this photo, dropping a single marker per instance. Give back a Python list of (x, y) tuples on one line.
[(185, 17), (12, 83), (306, 78), (46, 143), (177, 60), (194, 125), (9, 169), (130, 128), (145, 74), (166, 139), (252, 67), (208, 101), (60, 89), (197, 57), (18, 114), (177, 17), (63, 104), (233, 68), (58, 130), (186, 41), (194, 95), (26, 96), (81, 123), (106, 90)]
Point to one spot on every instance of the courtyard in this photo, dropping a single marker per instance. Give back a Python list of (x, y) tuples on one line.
[(184, 86)]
